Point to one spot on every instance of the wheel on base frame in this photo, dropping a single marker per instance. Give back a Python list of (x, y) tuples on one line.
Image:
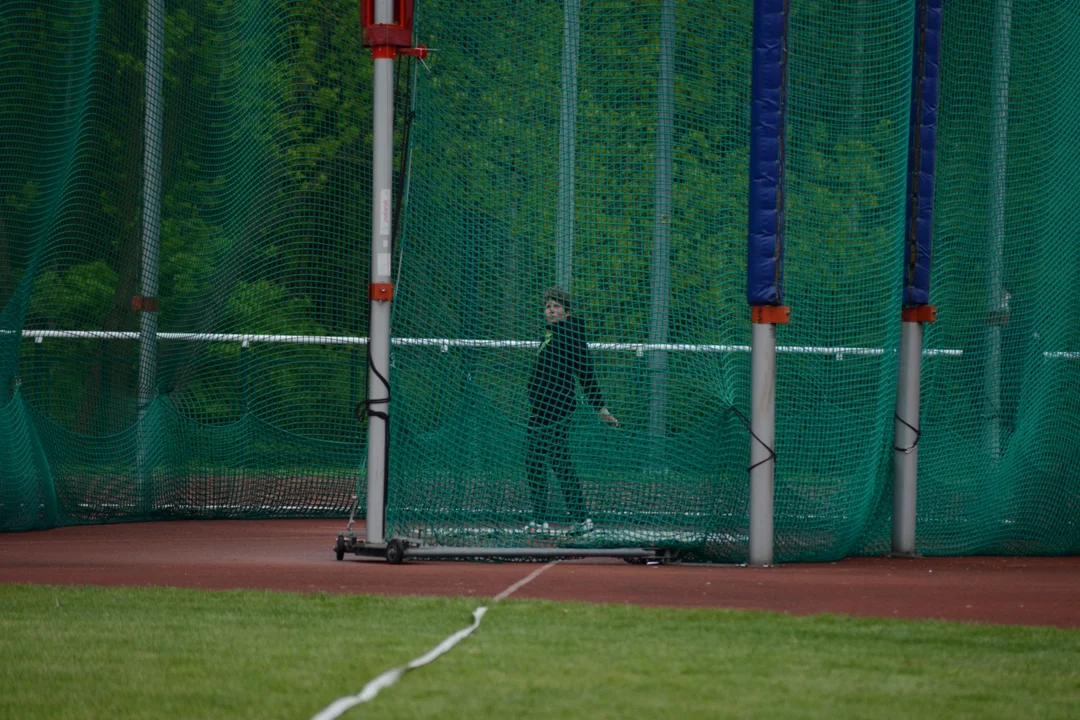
[(395, 552), (661, 558), (339, 548)]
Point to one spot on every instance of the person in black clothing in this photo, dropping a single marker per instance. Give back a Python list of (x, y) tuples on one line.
[(563, 357)]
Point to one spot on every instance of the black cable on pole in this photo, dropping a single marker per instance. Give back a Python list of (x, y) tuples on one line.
[(750, 429), (403, 163), (912, 428)]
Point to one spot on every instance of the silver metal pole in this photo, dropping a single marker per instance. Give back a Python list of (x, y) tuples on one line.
[(564, 221), (859, 69), (381, 253), (762, 442), (906, 450), (661, 271), (997, 296), (151, 240)]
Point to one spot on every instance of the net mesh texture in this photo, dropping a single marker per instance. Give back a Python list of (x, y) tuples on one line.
[(599, 146)]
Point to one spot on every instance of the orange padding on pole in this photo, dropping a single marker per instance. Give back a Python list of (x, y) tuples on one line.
[(382, 291), (921, 313), (384, 52), (770, 314)]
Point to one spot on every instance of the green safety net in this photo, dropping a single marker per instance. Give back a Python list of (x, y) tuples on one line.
[(264, 157), (597, 145), (999, 463)]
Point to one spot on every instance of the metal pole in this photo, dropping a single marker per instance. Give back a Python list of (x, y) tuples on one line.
[(906, 450), (856, 116), (381, 253), (765, 260), (916, 272), (564, 221), (997, 296), (762, 442), (859, 70), (661, 271), (245, 389), (151, 240)]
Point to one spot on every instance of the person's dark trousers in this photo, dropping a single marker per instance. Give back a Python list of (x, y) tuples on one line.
[(549, 444)]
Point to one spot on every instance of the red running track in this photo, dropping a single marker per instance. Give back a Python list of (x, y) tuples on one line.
[(297, 555)]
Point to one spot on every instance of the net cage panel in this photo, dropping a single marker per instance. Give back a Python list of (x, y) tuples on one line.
[(476, 262), (264, 126), (543, 192), (999, 462)]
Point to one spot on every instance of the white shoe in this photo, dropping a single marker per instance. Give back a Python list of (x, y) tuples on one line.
[(585, 526)]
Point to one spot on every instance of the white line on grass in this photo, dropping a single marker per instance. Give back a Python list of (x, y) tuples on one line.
[(341, 705)]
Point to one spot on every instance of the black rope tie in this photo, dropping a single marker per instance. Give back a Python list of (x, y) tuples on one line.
[(375, 401), (918, 434), (384, 416), (750, 429)]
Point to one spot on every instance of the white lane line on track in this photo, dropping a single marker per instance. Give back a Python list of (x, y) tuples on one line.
[(523, 582)]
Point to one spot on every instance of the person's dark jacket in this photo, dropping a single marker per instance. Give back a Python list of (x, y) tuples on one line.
[(563, 356)]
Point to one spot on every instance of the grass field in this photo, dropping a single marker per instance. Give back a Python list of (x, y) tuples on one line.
[(75, 652)]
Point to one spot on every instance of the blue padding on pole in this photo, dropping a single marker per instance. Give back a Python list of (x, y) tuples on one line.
[(921, 149), (765, 252)]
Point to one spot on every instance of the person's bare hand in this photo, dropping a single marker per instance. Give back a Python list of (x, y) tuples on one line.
[(607, 417)]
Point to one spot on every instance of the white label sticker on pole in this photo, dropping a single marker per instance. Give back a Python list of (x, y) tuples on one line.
[(384, 212), (384, 264)]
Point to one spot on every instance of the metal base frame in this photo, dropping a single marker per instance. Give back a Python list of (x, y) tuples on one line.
[(398, 550)]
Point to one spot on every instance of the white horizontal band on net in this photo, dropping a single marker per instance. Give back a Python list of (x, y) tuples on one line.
[(445, 344)]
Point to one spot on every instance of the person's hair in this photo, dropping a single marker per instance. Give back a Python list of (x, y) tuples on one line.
[(558, 295)]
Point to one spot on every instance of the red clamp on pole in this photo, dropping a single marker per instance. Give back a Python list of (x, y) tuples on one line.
[(770, 314), (397, 34), (919, 313), (419, 51), (140, 303), (382, 291)]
